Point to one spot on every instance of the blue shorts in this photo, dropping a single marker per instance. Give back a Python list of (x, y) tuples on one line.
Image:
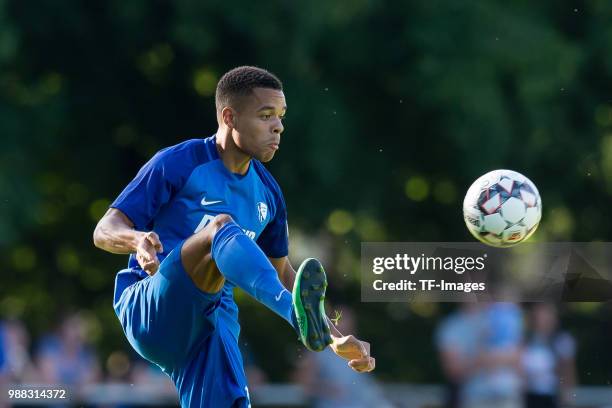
[(173, 324)]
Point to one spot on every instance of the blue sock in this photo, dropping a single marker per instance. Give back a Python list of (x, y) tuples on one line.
[(243, 263)]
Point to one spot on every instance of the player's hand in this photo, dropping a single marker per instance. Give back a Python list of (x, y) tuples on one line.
[(146, 252), (356, 351)]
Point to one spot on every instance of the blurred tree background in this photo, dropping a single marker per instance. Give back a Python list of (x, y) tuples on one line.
[(395, 107)]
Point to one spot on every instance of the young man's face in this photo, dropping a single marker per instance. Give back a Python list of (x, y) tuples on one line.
[(258, 123)]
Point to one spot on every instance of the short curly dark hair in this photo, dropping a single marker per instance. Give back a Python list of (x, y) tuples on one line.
[(240, 82)]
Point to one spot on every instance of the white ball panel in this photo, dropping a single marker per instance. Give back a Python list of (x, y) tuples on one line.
[(492, 204), (513, 210), (494, 223), (532, 217), (506, 184)]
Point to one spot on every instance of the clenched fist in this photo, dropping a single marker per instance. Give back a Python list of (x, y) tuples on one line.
[(147, 249)]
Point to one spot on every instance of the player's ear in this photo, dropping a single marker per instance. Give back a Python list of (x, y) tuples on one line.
[(228, 116)]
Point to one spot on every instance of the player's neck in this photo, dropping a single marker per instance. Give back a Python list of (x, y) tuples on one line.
[(233, 158)]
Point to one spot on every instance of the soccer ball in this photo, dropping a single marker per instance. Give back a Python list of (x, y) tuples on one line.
[(502, 208)]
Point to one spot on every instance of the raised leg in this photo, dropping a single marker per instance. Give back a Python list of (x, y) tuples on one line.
[(222, 251)]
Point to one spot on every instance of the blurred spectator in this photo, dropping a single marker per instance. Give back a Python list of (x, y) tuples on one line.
[(479, 349), (65, 358), (457, 340), (498, 382), (329, 382), (548, 360), (19, 366)]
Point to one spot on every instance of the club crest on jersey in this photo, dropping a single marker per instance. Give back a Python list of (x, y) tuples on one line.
[(262, 211)]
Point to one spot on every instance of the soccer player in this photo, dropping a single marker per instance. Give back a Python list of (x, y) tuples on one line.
[(200, 218)]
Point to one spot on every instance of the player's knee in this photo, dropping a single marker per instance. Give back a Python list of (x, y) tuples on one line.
[(206, 234), (216, 224), (199, 245), (220, 220)]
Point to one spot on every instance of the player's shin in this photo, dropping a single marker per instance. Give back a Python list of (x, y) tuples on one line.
[(243, 263)]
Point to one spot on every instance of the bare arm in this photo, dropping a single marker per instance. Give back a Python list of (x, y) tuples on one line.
[(115, 233)]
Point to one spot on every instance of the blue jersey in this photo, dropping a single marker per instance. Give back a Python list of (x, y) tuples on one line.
[(183, 187)]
